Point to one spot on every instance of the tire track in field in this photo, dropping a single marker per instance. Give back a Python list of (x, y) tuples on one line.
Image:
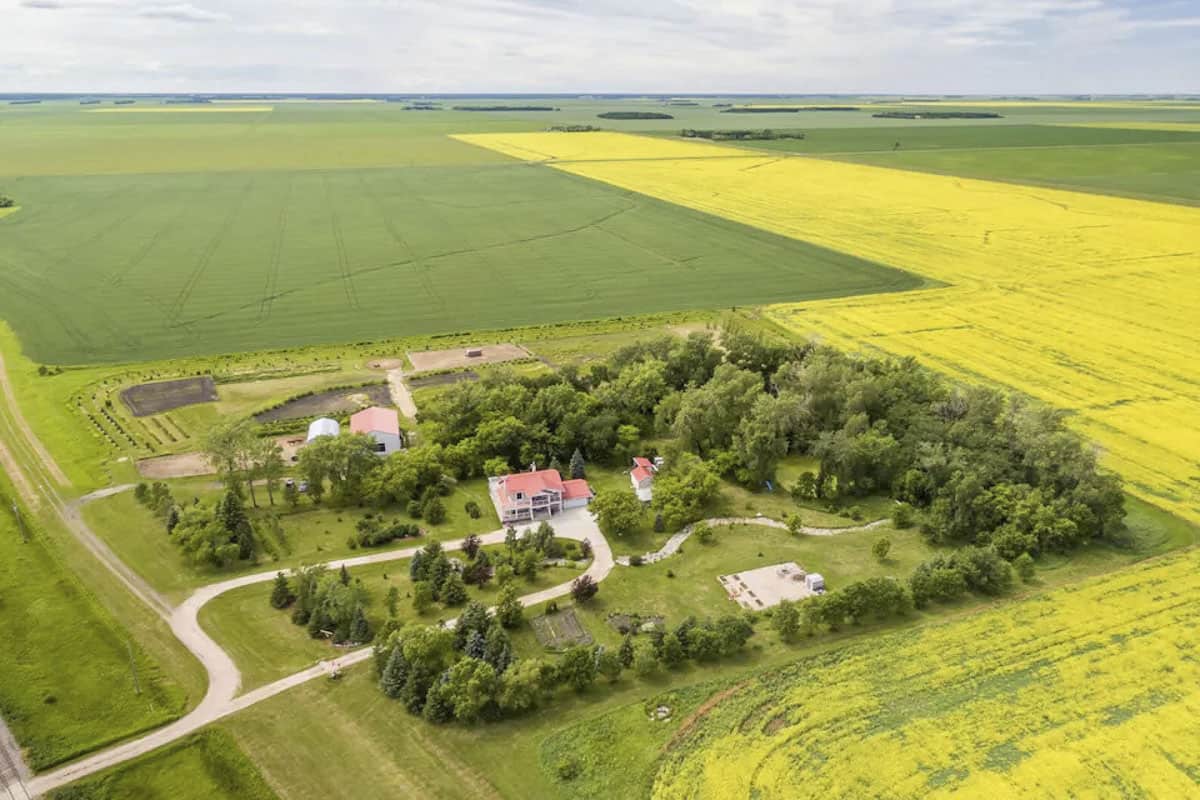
[(420, 269), (368, 270), (339, 243), (206, 255), (268, 298)]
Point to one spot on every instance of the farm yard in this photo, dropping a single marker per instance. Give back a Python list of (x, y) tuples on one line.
[(746, 309)]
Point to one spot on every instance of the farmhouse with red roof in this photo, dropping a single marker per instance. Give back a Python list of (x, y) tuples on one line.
[(526, 496), (382, 425), (642, 478)]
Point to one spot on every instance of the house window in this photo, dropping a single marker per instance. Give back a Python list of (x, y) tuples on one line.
[(380, 447), (520, 495)]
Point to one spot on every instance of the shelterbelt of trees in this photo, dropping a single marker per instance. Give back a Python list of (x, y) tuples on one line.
[(996, 475)]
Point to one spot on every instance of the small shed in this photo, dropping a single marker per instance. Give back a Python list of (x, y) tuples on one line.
[(815, 583), (323, 427)]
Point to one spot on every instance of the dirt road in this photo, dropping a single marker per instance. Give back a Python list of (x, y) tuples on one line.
[(43, 455), (222, 697)]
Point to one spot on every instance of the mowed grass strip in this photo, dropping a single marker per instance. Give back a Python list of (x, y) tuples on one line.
[(205, 766), (73, 680), (205, 263)]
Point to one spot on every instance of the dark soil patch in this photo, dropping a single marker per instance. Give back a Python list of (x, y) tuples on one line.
[(334, 401), (774, 726), (441, 380), (154, 398)]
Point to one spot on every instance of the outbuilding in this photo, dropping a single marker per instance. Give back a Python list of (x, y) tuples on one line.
[(322, 427), (382, 425)]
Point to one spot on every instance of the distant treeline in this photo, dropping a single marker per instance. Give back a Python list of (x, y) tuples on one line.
[(937, 115), (505, 108), (422, 108), (573, 128), (740, 135), (23, 102), (186, 101), (124, 102), (682, 103), (784, 109), (634, 115), (89, 102)]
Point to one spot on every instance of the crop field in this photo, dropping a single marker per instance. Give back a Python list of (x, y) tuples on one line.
[(1083, 301), (225, 261), (1087, 691)]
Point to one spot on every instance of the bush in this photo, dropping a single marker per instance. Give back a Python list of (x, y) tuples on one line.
[(902, 516), (1023, 564), (434, 511), (636, 561), (414, 509), (568, 768), (552, 607), (472, 509)]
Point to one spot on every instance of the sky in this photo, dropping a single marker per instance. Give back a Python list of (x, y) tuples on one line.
[(661, 46)]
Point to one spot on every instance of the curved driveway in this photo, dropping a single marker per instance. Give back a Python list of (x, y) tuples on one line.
[(224, 679)]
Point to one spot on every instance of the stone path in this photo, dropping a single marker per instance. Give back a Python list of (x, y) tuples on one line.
[(676, 541)]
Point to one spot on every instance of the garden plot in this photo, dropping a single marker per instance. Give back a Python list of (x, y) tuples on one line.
[(765, 587), (455, 358), (560, 630), (154, 398), (334, 401)]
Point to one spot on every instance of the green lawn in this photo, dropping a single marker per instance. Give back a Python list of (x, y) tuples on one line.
[(310, 535), (205, 766), (74, 678), (266, 645)]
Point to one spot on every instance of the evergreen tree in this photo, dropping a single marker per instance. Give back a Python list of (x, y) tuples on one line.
[(511, 540), (439, 571), (625, 654), (578, 467), (470, 546), (439, 706), (393, 601), (172, 519), (344, 575), (281, 592), (556, 465), (360, 629), (391, 682), (476, 645), (497, 648), (416, 569), (474, 619), (453, 591)]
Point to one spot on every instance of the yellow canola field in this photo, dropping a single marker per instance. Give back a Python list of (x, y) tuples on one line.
[(1084, 301), (1091, 691)]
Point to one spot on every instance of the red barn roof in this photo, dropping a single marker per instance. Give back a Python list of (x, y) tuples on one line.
[(376, 420)]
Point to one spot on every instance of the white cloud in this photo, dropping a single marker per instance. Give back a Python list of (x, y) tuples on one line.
[(912, 46)]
